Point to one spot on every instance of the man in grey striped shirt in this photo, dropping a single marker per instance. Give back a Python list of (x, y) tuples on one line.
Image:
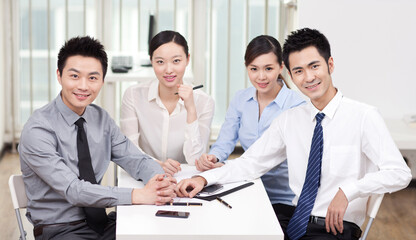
[(57, 194)]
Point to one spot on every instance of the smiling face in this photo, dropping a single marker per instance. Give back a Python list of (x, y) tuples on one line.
[(312, 75), (169, 62), (81, 81), (263, 72)]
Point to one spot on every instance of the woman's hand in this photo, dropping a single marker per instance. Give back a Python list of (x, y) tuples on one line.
[(171, 166)]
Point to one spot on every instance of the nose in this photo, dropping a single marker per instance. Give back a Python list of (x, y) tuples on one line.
[(309, 76), (262, 75), (168, 68), (83, 84)]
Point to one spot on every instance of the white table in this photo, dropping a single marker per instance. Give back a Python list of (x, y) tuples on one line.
[(403, 134), (251, 217)]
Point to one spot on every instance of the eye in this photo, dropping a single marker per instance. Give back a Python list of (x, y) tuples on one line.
[(159, 62), (253, 69), (315, 66), (297, 72), (93, 78), (177, 61), (74, 75), (269, 68)]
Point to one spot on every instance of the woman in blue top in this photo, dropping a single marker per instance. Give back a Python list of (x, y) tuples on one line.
[(251, 112)]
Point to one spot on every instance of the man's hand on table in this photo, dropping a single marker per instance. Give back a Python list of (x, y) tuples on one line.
[(190, 187), (159, 190)]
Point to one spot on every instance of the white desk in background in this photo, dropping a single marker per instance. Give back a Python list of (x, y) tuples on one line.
[(251, 217), (403, 134)]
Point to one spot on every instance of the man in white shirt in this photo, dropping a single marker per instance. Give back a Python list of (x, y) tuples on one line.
[(358, 157)]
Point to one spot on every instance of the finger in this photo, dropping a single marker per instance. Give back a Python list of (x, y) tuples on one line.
[(197, 165), (327, 222), (165, 193), (194, 191), (172, 180), (218, 164), (183, 191), (206, 164), (171, 168), (162, 200), (340, 222), (332, 224), (168, 171)]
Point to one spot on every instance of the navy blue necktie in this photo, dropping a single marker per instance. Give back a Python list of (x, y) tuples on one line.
[(96, 217), (299, 221)]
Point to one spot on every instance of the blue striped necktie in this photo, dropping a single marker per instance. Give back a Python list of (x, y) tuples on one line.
[(299, 221)]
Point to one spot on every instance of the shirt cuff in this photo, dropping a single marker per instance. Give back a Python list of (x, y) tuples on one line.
[(351, 191), (209, 177), (124, 195)]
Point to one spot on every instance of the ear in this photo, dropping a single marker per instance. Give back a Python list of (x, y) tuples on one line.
[(58, 76), (331, 65)]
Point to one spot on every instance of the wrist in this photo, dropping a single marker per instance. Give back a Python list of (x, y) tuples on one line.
[(136, 196), (201, 180)]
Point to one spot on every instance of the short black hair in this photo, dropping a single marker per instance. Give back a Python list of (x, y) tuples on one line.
[(167, 37), (83, 46), (303, 38)]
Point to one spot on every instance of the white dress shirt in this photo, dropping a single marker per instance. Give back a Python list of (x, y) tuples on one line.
[(359, 155), (147, 123)]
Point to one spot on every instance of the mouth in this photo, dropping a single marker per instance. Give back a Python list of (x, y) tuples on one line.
[(82, 96), (313, 87), (262, 85), (170, 78)]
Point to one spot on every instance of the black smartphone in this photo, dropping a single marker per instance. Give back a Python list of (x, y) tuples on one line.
[(211, 189), (174, 214)]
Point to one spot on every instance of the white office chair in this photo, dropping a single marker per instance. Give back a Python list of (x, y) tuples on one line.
[(19, 199), (373, 204)]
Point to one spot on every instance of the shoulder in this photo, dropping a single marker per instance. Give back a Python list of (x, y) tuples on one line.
[(41, 124), (351, 106)]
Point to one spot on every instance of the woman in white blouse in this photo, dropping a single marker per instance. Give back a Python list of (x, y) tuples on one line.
[(166, 118)]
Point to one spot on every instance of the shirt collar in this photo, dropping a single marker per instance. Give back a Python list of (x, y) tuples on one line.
[(330, 109), (280, 98), (282, 95), (68, 115), (153, 94), (153, 91)]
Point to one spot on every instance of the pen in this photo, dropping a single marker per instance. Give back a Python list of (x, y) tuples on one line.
[(184, 204), (194, 88), (224, 202)]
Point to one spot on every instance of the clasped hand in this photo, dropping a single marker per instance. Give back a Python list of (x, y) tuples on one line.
[(159, 190)]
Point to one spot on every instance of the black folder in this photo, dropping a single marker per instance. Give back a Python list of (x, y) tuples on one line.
[(214, 196)]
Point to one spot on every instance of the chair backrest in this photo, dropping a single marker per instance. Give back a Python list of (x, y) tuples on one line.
[(17, 191), (373, 204)]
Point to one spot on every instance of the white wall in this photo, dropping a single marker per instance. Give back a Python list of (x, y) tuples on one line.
[(2, 76), (374, 48)]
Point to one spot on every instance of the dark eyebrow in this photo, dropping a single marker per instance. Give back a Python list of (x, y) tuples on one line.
[(77, 71), (313, 63), (74, 70), (309, 64), (94, 73)]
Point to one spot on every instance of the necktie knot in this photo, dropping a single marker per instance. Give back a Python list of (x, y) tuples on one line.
[(319, 117), (80, 123)]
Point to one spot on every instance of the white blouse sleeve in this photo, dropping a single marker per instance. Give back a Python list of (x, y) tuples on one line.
[(198, 132)]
